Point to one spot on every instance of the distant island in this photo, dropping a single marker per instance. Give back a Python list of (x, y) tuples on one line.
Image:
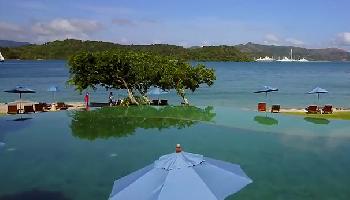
[(239, 53)]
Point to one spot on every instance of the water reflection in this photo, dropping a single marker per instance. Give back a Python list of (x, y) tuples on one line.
[(35, 194), (316, 120), (264, 120), (123, 121), (12, 125)]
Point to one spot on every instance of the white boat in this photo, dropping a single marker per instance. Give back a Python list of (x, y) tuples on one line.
[(303, 60), (266, 59), (2, 59), (286, 59)]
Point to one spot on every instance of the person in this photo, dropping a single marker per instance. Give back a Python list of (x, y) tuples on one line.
[(111, 99), (86, 99)]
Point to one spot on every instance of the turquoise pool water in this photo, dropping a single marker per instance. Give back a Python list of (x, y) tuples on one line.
[(288, 157)]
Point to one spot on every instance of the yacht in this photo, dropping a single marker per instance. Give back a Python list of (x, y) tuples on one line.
[(286, 59), (266, 59), (303, 60), (2, 59)]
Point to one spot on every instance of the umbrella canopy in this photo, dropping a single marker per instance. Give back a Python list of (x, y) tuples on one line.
[(20, 90), (266, 120), (157, 91), (266, 89), (53, 89), (182, 176), (318, 91)]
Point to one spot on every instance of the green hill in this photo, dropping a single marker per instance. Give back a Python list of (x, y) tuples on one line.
[(66, 48), (243, 52)]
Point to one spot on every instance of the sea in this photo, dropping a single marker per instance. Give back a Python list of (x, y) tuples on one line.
[(234, 87), (77, 155)]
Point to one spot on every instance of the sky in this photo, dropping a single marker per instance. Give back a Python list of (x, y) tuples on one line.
[(304, 23)]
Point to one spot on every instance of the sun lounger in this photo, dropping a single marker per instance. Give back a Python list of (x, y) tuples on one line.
[(313, 109), (275, 108), (163, 102), (262, 107), (327, 109), (61, 106), (12, 109), (40, 107), (28, 109), (155, 102), (98, 104)]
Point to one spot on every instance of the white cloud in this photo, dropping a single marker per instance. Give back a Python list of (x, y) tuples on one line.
[(12, 32), (343, 39), (51, 30), (294, 42), (271, 39), (65, 28)]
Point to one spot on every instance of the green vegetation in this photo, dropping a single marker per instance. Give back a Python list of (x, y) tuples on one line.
[(65, 49), (342, 115), (136, 72), (123, 121)]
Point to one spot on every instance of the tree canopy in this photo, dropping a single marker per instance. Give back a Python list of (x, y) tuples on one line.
[(136, 72)]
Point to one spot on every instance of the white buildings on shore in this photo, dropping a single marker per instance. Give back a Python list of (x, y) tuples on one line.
[(284, 59)]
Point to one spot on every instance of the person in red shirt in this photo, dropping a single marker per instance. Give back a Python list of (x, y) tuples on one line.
[(86, 99)]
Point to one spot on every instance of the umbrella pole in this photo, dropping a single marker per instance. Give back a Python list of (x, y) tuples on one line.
[(20, 102)]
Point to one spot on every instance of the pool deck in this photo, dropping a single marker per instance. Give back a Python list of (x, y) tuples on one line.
[(343, 114), (72, 106)]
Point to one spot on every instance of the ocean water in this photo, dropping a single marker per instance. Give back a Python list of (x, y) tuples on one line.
[(77, 155), (234, 86)]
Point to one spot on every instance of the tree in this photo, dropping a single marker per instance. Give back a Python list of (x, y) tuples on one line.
[(135, 71), (181, 75)]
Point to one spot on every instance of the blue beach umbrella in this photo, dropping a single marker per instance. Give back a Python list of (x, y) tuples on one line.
[(53, 89), (266, 89), (20, 90), (318, 91), (182, 176), (157, 91)]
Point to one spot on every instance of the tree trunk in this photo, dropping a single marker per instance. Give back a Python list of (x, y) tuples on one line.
[(130, 94), (181, 92), (144, 96)]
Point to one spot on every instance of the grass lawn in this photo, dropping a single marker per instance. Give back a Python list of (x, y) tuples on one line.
[(343, 115)]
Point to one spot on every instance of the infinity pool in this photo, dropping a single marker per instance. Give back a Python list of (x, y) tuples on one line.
[(77, 155)]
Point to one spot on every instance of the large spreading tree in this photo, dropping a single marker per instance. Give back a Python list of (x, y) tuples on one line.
[(137, 73)]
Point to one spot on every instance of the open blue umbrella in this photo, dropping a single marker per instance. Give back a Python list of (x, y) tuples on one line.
[(266, 89), (53, 89), (182, 176), (157, 91), (318, 91), (20, 90)]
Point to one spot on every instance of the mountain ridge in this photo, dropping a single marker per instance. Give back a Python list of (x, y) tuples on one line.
[(62, 49), (11, 43)]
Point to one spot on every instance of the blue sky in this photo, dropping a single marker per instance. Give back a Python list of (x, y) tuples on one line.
[(307, 23)]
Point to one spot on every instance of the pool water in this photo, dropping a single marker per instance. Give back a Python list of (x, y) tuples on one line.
[(57, 155)]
